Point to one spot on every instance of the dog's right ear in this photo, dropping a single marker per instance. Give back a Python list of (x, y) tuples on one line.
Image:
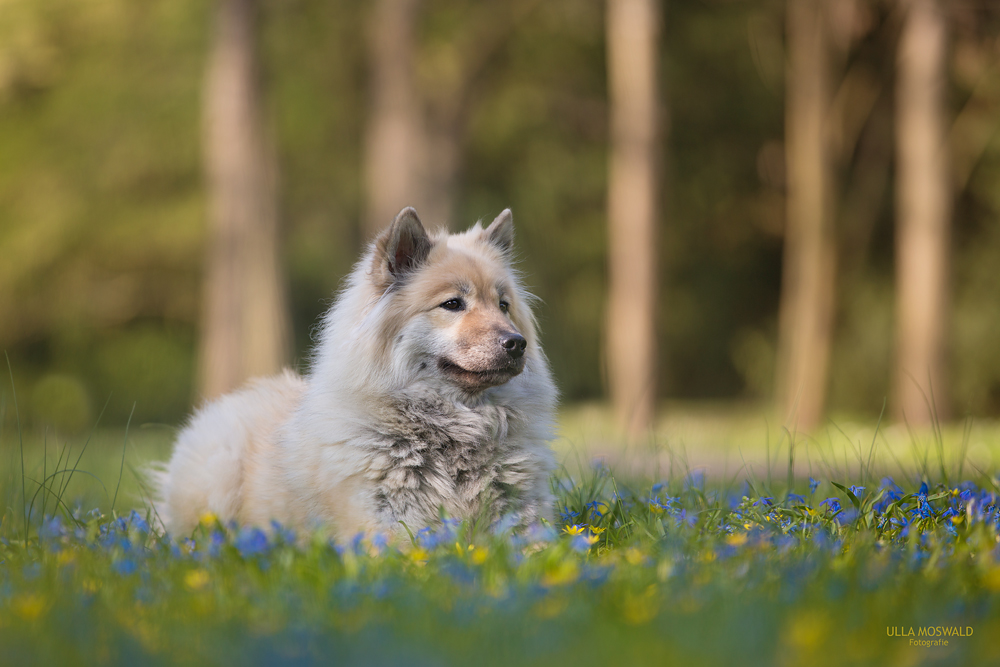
[(400, 249)]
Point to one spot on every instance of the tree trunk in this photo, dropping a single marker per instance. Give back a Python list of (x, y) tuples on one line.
[(807, 288), (395, 145), (632, 43), (245, 329), (923, 207)]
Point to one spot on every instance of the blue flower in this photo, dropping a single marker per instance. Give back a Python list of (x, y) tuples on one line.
[(595, 576), (379, 542), (695, 480), (684, 518), (538, 533), (568, 516), (459, 571), (813, 484), (182, 548), (581, 542), (432, 536), (124, 566), (138, 522), (847, 516), (215, 542), (52, 529), (507, 523), (657, 507), (923, 508), (857, 490), (282, 535), (795, 498), (425, 538), (597, 507), (823, 541), (888, 483), (251, 541), (832, 503), (600, 466)]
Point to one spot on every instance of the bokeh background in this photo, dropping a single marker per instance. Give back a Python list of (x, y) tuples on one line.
[(107, 184)]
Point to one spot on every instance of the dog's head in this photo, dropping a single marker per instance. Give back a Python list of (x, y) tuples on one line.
[(453, 308)]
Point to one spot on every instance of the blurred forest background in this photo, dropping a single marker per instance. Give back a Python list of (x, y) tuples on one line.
[(782, 145)]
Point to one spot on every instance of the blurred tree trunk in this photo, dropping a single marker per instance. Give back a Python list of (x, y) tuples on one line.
[(415, 136), (395, 144), (632, 43), (245, 329), (808, 275), (923, 209)]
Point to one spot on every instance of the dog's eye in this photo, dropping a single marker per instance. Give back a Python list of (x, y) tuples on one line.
[(453, 304), (504, 306)]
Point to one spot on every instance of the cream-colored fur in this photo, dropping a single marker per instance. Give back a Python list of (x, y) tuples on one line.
[(412, 404)]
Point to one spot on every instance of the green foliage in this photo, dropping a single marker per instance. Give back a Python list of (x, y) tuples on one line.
[(64, 396), (102, 202), (633, 573)]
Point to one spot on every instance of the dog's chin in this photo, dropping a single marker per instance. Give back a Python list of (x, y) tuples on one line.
[(477, 380)]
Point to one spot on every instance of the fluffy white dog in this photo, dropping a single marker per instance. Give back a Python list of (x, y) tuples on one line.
[(428, 391)]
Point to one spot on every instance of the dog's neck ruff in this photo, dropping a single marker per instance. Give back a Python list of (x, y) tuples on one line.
[(429, 453)]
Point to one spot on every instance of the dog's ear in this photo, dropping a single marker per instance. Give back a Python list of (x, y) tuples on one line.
[(501, 231), (401, 248)]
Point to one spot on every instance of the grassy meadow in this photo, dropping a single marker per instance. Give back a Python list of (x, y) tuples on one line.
[(708, 543)]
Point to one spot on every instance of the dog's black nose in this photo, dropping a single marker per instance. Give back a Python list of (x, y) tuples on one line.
[(514, 343)]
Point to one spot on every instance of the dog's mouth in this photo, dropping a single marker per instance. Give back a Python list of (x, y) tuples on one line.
[(479, 380)]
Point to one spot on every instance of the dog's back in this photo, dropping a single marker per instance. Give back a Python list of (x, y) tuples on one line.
[(225, 453)]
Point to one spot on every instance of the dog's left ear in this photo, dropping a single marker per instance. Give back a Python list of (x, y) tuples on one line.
[(501, 231)]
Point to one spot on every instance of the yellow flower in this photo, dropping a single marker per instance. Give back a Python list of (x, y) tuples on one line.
[(957, 519), (419, 556), (736, 539), (574, 530), (551, 606), (638, 608), (992, 579), (195, 580), (208, 519), (562, 572), (808, 630), (479, 555), (28, 606), (596, 531), (65, 557), (634, 556)]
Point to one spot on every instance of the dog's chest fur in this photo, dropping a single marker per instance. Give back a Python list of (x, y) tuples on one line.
[(429, 453)]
